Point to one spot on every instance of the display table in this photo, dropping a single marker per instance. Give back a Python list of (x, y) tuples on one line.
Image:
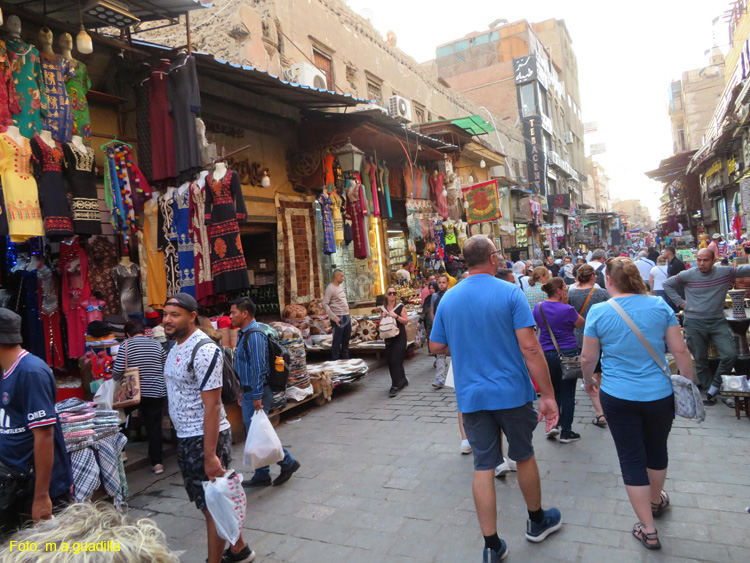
[(741, 402)]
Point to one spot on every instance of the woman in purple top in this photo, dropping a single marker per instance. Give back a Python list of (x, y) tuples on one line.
[(563, 320)]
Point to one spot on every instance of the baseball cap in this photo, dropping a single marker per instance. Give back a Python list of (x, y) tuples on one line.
[(183, 300), (10, 327)]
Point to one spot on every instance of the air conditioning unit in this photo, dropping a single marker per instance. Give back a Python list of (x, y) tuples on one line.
[(400, 108), (306, 74), (569, 137)]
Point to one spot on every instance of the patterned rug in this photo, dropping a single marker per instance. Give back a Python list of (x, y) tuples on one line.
[(298, 254)]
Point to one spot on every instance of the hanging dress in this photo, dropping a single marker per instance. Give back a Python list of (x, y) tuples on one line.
[(142, 126), (50, 314), (225, 207), (8, 99), (184, 99), (53, 199), (357, 220), (73, 267), (156, 273), (167, 239), (77, 85), (81, 171), (128, 286), (204, 286), (102, 258), (20, 190), (329, 242), (29, 85), (338, 220), (181, 231), (162, 128), (59, 121)]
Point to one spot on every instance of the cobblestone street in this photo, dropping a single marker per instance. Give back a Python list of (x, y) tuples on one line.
[(382, 479)]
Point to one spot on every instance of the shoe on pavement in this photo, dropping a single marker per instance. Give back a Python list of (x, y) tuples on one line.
[(709, 400), (438, 385), (567, 436), (511, 464), (285, 475), (553, 433), (256, 482), (247, 555), (551, 523), (392, 392), (502, 470), (465, 447), (492, 556), (158, 469)]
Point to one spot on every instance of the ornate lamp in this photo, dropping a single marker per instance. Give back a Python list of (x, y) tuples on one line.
[(349, 157)]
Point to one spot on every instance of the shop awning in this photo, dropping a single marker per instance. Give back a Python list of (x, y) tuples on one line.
[(473, 124), (672, 167)]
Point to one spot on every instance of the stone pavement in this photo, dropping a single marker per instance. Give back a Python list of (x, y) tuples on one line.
[(382, 479)]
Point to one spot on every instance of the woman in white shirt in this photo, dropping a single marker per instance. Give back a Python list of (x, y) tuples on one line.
[(657, 277)]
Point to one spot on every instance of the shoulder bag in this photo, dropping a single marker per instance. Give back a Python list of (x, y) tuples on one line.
[(127, 391), (388, 327), (585, 302), (687, 397), (571, 366)]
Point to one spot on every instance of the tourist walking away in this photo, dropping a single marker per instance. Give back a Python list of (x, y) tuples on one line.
[(493, 387), (534, 293), (337, 309), (556, 321), (148, 356), (705, 292), (644, 265), (582, 296), (597, 262), (521, 278), (442, 362), (658, 275), (204, 439), (35, 473), (395, 346), (252, 364), (635, 393)]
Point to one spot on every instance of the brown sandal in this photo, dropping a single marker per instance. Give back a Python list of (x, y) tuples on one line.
[(658, 509), (600, 421), (649, 541)]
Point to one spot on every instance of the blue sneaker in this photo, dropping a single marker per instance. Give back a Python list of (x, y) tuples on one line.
[(492, 556), (551, 523)]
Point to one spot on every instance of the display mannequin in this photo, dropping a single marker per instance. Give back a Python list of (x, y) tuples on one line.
[(77, 142), (56, 71), (125, 261), (13, 27), (45, 40), (66, 47), (14, 133), (47, 138), (219, 170)]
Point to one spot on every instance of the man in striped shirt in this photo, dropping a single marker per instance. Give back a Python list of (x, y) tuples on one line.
[(252, 368), (705, 292), (148, 356)]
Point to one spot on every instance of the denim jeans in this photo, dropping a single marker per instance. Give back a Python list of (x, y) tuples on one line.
[(248, 411), (699, 333), (342, 333), (565, 389)]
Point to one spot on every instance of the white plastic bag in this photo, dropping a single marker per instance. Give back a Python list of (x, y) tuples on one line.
[(104, 395), (226, 501), (262, 446)]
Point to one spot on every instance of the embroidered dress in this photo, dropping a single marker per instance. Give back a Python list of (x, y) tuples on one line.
[(162, 128), (356, 218), (102, 258), (77, 86), (329, 243), (8, 99), (181, 232), (338, 220), (59, 121), (73, 267), (166, 244), (53, 199), (29, 85), (156, 273), (20, 190), (225, 206), (204, 287), (81, 168)]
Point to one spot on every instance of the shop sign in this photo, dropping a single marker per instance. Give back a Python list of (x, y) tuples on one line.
[(530, 68), (536, 159), (483, 202), (558, 200), (547, 124)]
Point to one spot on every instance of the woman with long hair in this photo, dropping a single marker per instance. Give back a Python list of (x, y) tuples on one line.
[(635, 393), (583, 295), (561, 319), (534, 293), (395, 347)]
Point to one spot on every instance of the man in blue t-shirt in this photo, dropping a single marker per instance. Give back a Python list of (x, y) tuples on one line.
[(492, 364), (30, 435)]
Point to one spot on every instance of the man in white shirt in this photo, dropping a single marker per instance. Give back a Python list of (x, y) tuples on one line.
[(204, 437), (645, 266), (404, 272), (337, 309), (597, 262)]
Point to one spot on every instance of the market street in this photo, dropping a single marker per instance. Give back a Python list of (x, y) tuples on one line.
[(382, 479)]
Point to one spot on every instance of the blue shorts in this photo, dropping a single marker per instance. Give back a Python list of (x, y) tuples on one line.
[(484, 431)]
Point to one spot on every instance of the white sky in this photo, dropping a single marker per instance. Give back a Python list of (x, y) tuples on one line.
[(628, 53)]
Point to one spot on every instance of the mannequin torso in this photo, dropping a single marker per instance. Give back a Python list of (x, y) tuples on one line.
[(46, 136), (14, 133), (220, 170), (77, 142)]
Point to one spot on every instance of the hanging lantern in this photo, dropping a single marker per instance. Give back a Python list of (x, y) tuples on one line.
[(482, 164), (350, 157), (83, 42), (266, 180)]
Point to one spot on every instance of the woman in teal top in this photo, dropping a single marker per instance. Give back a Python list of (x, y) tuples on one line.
[(636, 395)]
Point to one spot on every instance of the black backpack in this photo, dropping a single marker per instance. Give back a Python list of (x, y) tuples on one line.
[(230, 389), (277, 380)]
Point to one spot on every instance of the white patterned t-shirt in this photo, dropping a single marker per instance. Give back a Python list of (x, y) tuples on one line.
[(183, 385)]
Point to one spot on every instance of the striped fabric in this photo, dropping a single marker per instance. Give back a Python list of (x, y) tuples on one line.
[(149, 357)]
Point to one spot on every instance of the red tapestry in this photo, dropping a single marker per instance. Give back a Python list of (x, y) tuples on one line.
[(484, 202)]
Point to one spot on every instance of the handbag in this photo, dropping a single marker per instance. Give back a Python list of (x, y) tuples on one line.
[(571, 366), (388, 327), (14, 485), (587, 301), (127, 391), (687, 397)]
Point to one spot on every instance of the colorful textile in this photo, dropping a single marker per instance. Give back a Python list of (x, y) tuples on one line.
[(483, 201), (80, 168), (29, 86), (204, 286), (20, 190), (56, 70), (85, 474), (8, 99), (181, 231), (48, 170), (166, 244), (78, 84), (102, 258), (329, 242)]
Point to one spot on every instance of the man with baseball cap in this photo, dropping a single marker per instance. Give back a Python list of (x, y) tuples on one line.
[(33, 458), (204, 437)]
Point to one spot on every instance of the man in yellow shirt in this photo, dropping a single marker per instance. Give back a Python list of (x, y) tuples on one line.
[(451, 280)]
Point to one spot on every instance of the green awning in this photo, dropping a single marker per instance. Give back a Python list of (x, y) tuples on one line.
[(473, 125)]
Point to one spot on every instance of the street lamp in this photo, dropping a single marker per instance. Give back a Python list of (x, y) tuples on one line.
[(350, 157)]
